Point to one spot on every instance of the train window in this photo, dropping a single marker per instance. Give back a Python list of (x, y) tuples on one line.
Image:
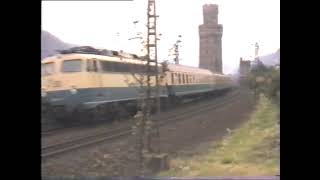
[(177, 78), (143, 68), (122, 67), (92, 65), (47, 69), (126, 68), (138, 68), (71, 65), (106, 66), (132, 67), (172, 78), (153, 70), (116, 67)]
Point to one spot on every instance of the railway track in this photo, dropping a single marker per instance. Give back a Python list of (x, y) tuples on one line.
[(53, 131), (77, 126), (79, 142), (57, 148)]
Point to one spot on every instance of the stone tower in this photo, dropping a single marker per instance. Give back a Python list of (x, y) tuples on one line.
[(210, 34), (244, 67)]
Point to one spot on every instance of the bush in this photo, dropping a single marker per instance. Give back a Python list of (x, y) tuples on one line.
[(270, 85)]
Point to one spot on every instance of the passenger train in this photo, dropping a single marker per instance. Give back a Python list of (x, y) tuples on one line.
[(104, 83)]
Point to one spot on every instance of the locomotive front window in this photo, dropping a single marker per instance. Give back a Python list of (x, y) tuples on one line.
[(47, 69), (71, 66)]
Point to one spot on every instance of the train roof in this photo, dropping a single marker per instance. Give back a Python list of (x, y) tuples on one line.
[(92, 50), (127, 59), (71, 56), (101, 54), (189, 69)]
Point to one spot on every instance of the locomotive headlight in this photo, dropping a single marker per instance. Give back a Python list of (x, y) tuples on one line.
[(43, 92), (73, 90)]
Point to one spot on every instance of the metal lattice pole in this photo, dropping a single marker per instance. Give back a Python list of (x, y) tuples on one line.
[(176, 50), (152, 58)]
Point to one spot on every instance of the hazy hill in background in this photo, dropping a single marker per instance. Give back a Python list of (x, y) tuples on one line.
[(271, 59), (268, 60), (50, 43)]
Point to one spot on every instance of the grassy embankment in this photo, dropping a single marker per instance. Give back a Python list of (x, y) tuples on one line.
[(251, 150)]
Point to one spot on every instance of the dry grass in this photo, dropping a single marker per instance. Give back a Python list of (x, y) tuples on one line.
[(251, 150)]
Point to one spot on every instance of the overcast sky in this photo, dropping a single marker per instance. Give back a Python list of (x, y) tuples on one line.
[(97, 24)]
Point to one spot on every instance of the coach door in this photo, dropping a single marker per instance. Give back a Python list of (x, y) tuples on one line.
[(93, 73)]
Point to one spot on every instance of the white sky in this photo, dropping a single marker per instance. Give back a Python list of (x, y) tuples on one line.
[(97, 24)]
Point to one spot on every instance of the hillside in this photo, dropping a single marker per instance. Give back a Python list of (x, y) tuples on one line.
[(50, 43), (271, 59)]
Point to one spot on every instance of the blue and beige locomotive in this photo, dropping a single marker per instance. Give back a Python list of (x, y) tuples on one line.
[(102, 83)]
